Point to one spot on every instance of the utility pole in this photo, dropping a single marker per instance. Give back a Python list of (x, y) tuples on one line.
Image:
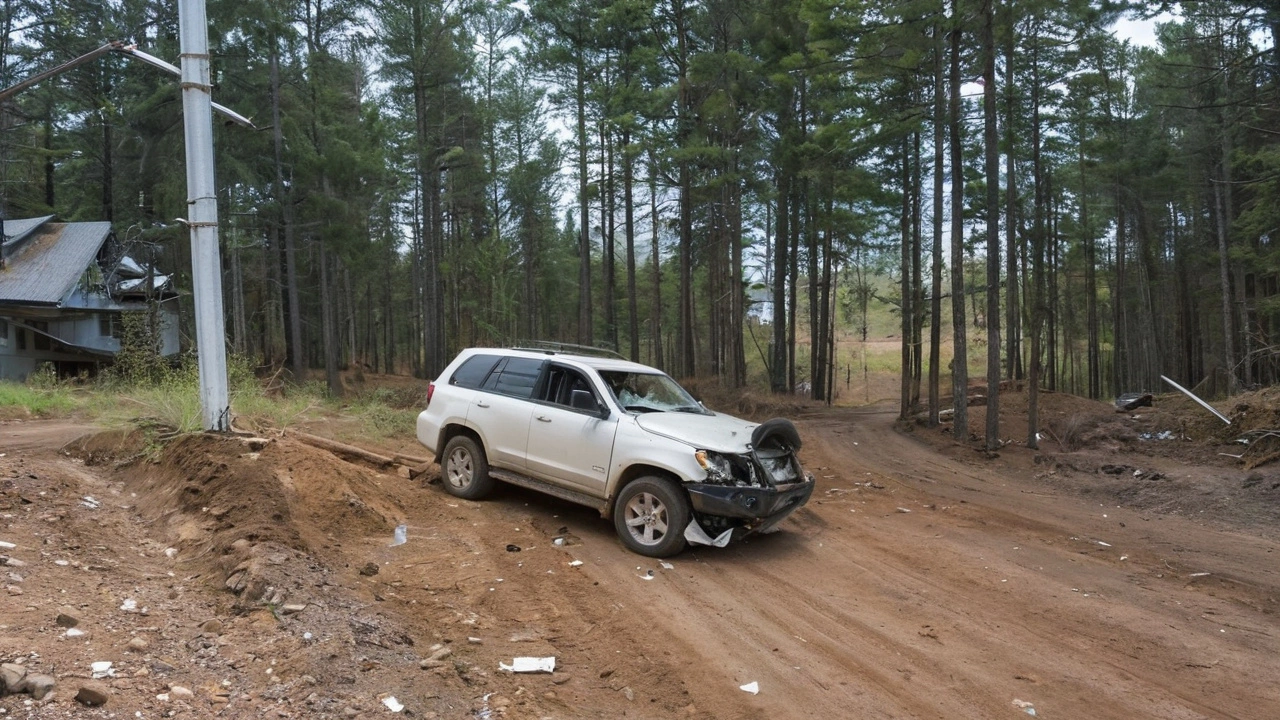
[(202, 217)]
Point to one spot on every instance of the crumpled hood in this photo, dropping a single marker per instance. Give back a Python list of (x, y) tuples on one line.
[(721, 433)]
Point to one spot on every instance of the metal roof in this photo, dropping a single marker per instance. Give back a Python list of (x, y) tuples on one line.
[(45, 267), (15, 230)]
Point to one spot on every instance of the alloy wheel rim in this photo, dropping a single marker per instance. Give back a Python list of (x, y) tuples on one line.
[(646, 519)]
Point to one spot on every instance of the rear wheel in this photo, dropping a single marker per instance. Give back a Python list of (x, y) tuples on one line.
[(650, 515), (466, 470)]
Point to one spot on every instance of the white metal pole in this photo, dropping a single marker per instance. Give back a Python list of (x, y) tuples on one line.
[(202, 208)]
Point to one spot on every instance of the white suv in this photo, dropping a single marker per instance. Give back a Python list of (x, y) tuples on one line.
[(617, 436)]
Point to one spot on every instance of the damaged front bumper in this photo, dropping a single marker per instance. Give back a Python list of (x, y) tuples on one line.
[(757, 505)]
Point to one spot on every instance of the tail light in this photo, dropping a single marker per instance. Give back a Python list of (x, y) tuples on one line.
[(431, 388)]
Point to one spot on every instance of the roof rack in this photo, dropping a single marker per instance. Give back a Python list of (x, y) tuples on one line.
[(551, 348)]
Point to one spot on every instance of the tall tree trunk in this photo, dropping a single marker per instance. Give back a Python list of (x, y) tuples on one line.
[(628, 202), (655, 309), (939, 138), (1037, 257), (904, 227), (327, 325), (586, 333), (959, 364), (991, 142), (1013, 309), (293, 309)]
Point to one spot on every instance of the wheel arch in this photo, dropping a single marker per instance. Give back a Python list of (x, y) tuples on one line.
[(452, 430), (633, 473)]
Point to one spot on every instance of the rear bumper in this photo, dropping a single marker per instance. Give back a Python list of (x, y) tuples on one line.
[(748, 503)]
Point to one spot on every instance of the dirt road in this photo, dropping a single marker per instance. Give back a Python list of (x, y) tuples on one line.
[(916, 584)]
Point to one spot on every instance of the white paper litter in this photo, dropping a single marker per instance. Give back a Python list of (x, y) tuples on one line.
[(697, 536), (129, 605), (75, 632), (392, 704), (530, 664), (752, 687), (576, 563), (667, 566), (102, 669)]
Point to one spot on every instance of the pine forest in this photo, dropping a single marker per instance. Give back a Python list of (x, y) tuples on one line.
[(717, 188)]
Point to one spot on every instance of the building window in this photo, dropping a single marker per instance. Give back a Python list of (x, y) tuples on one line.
[(109, 326), (22, 338), (41, 338), (4, 333)]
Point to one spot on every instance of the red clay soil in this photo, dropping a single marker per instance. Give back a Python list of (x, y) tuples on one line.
[(926, 579)]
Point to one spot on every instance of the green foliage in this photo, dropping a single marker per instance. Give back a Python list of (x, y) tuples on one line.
[(39, 397)]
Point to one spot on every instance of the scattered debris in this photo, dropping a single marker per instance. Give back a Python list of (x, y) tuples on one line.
[(695, 535), (1199, 574), (1162, 435), (648, 575), (576, 563), (1132, 401), (102, 669), (392, 703), (513, 548), (752, 687), (89, 502), (530, 665), (903, 510), (666, 565), (401, 536), (7, 545), (129, 605), (1025, 707)]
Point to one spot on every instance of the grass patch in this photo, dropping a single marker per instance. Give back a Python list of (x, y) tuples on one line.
[(17, 400)]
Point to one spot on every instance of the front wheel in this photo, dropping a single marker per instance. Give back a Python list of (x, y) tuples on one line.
[(466, 470), (650, 515)]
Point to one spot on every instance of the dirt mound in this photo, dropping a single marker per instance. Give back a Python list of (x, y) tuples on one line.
[(743, 402), (250, 513), (107, 446)]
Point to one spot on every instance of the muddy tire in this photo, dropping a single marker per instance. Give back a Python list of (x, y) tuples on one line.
[(650, 515), (465, 471)]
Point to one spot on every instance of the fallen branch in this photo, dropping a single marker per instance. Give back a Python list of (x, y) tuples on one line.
[(342, 449)]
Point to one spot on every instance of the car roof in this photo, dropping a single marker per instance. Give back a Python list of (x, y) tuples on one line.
[(596, 363)]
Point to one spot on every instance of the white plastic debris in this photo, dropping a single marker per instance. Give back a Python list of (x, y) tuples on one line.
[(648, 575), (752, 687), (89, 502), (102, 669), (530, 665), (1025, 707), (1104, 544), (667, 566), (697, 536), (75, 632), (129, 605), (401, 536), (576, 563), (6, 545), (392, 704), (171, 553), (1200, 574)]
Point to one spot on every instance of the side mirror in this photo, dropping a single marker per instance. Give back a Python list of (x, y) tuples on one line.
[(583, 400)]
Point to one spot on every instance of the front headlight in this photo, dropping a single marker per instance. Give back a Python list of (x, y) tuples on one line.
[(717, 466)]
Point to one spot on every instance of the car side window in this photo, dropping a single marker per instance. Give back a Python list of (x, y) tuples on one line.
[(561, 384), (516, 377), (474, 370)]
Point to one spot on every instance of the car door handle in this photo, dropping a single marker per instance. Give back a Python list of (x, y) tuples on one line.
[(543, 418), (481, 403)]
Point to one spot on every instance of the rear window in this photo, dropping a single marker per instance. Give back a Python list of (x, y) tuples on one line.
[(474, 370), (516, 377)]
